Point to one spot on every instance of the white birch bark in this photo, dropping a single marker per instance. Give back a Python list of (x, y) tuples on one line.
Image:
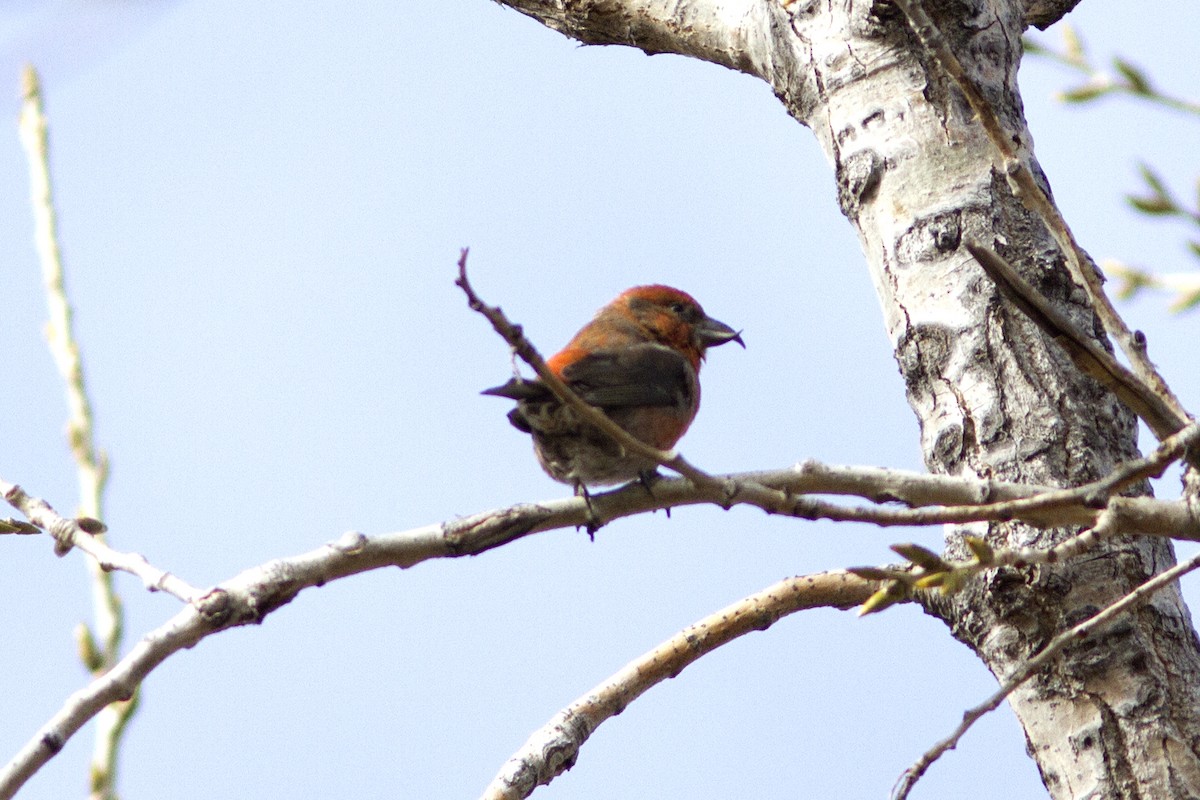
[(1118, 717)]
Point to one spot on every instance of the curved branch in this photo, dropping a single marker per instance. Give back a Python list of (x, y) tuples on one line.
[(927, 500), (553, 748), (182, 631)]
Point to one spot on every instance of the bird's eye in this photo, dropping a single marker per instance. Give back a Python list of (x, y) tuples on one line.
[(678, 308)]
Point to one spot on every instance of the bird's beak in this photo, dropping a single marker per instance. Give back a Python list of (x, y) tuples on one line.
[(711, 333)]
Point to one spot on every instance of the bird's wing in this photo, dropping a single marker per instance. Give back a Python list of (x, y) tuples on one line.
[(638, 375)]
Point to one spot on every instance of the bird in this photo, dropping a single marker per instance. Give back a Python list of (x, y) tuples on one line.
[(638, 361)]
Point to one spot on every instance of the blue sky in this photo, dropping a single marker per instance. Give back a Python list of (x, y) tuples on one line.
[(261, 207)]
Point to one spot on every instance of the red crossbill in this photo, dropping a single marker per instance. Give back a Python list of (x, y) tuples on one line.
[(638, 361)]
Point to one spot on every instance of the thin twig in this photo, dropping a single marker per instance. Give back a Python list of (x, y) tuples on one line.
[(553, 748), (73, 534), (1026, 188), (1035, 663), (60, 333), (1089, 357), (91, 464)]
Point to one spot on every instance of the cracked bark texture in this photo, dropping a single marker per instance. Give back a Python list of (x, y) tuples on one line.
[(1118, 716)]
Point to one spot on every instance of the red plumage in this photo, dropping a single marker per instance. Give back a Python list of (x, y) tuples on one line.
[(638, 361)]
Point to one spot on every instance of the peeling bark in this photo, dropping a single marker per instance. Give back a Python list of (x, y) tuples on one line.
[(1117, 716)]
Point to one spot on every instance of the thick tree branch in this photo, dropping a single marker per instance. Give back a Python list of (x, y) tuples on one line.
[(720, 33), (1044, 13)]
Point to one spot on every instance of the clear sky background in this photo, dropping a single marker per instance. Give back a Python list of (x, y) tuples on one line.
[(261, 206)]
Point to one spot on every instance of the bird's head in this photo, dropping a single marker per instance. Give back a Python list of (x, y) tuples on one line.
[(675, 319)]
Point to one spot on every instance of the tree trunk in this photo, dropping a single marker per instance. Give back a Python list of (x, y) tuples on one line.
[(1119, 715)]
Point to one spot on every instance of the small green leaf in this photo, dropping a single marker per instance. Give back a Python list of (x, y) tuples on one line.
[(1153, 180), (887, 596), (89, 653), (1130, 280), (1033, 47), (1128, 290), (1156, 206), (1138, 82), (1085, 92), (921, 556), (1186, 301), (1195, 248), (872, 573), (953, 583), (1073, 45), (932, 580)]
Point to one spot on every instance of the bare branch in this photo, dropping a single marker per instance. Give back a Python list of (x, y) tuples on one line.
[(114, 686), (1027, 508), (72, 533), (60, 333), (552, 749), (730, 34), (929, 570), (1025, 672), (932, 500)]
